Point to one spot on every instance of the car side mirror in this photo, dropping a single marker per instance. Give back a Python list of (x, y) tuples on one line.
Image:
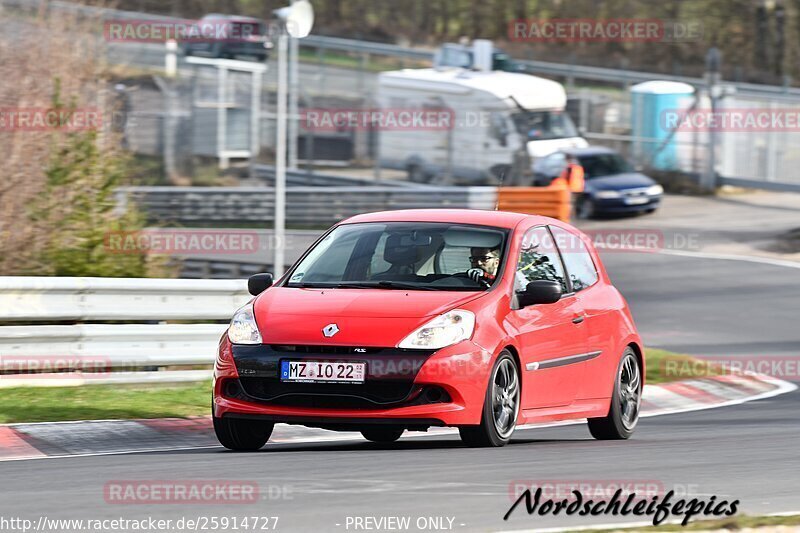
[(539, 292), (258, 283)]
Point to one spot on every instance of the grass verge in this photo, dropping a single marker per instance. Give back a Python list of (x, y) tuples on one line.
[(733, 523), (664, 366), (100, 402)]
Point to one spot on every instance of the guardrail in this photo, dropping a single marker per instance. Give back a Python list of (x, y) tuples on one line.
[(74, 354), (108, 346), (305, 206), (367, 47), (36, 299), (302, 178), (325, 206)]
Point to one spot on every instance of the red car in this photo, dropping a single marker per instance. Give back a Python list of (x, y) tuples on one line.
[(404, 320)]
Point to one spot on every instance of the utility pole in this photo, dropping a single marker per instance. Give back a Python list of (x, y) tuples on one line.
[(297, 19), (713, 61)]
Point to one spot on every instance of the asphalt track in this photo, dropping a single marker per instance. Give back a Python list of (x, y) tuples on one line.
[(696, 305)]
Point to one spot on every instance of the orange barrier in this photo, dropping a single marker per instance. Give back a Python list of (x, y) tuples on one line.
[(553, 203)]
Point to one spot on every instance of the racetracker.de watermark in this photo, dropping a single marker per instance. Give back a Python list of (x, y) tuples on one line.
[(778, 367), (191, 491), (731, 120), (159, 31), (187, 242), (617, 240), (604, 30), (598, 488), (50, 119), (403, 119), (53, 366)]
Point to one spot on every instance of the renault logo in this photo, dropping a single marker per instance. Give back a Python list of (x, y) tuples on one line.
[(330, 330)]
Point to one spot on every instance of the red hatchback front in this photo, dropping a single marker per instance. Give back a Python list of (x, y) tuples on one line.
[(405, 320)]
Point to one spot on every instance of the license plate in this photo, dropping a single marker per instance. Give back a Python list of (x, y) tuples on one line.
[(323, 372), (637, 200)]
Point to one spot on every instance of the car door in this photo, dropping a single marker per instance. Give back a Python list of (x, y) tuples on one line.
[(599, 320), (551, 337)]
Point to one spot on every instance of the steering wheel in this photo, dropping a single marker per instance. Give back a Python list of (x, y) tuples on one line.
[(462, 280), (463, 275)]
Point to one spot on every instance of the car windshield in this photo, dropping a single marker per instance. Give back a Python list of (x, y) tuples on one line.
[(404, 255), (599, 165), (542, 125)]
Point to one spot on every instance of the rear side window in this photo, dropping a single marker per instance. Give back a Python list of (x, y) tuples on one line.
[(580, 267)]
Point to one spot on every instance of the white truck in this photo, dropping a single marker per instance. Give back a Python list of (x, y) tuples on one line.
[(497, 116)]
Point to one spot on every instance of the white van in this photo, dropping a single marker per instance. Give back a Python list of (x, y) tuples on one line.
[(494, 113)]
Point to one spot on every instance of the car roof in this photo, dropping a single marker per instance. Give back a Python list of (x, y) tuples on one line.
[(531, 92), (500, 219)]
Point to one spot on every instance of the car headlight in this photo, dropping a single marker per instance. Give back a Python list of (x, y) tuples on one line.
[(607, 195), (444, 330), (243, 328), (655, 190)]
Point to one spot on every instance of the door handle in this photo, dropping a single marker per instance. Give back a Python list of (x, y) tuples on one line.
[(578, 319)]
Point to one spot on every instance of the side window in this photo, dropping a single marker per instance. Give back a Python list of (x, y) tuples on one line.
[(538, 260), (580, 267), (555, 164)]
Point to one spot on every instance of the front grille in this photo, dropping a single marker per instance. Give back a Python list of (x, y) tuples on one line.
[(369, 395), (375, 392), (389, 379), (302, 348), (631, 193)]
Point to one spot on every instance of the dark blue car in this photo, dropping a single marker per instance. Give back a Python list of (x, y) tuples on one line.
[(612, 185)]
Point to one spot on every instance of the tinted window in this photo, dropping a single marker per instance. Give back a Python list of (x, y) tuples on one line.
[(550, 166), (427, 255), (538, 260), (580, 267), (595, 166), (541, 125)]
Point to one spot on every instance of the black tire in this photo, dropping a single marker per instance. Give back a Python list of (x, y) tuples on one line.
[(585, 208), (620, 422), (242, 435), (650, 211), (382, 434), (486, 434)]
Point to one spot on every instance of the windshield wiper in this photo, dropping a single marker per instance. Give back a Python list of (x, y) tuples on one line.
[(312, 285), (400, 285), (384, 284)]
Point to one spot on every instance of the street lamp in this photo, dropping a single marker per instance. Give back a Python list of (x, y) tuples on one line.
[(297, 20)]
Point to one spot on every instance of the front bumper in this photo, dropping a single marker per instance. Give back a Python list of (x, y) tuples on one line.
[(621, 205), (404, 387)]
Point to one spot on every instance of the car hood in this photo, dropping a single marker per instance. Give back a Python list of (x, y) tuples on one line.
[(616, 182), (364, 317)]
